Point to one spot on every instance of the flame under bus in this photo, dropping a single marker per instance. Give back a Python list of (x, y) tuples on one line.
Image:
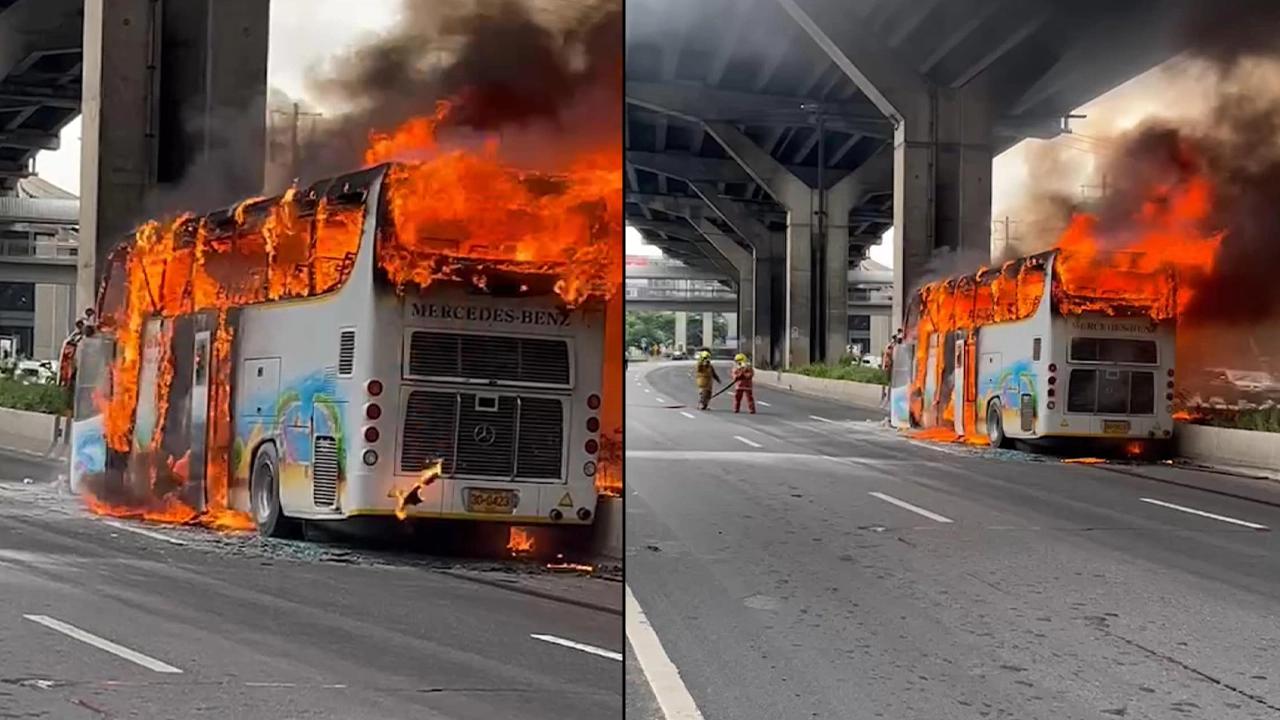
[(1039, 349), (475, 395)]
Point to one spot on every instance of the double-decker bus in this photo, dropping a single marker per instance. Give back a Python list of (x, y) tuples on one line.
[(1042, 349), (280, 371)]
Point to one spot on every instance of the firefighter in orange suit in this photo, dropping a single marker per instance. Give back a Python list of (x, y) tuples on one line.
[(743, 375), (704, 375)]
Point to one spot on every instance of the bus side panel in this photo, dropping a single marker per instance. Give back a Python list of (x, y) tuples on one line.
[(1007, 372)]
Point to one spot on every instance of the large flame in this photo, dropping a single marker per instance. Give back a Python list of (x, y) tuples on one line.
[(1146, 263)]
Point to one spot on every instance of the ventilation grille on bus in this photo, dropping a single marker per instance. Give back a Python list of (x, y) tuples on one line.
[(324, 472), (488, 357), (346, 353), (503, 436)]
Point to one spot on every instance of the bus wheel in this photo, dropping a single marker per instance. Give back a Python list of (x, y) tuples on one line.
[(995, 425), (264, 496)]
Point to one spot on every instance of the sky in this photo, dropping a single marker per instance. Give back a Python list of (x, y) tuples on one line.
[(304, 34)]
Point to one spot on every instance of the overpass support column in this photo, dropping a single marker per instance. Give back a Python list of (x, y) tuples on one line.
[(174, 97), (942, 145), (682, 331), (708, 330), (740, 324), (755, 279)]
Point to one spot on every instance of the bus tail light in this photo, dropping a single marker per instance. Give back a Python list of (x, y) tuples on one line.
[(373, 411), (1053, 380), (1051, 392), (1168, 396), (589, 468), (1052, 405), (592, 447), (1053, 367), (593, 424), (1170, 372), (584, 514), (374, 388), (593, 401), (371, 434), (370, 457), (1170, 384)]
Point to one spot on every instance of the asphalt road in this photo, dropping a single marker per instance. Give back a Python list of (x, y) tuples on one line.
[(230, 627), (809, 562)]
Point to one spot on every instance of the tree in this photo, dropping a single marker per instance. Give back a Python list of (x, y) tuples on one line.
[(646, 329)]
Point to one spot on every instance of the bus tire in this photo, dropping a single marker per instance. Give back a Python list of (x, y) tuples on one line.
[(264, 496), (995, 426)]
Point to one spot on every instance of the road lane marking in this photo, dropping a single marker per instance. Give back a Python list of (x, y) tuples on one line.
[(663, 676), (765, 404), (143, 531), (579, 646), (913, 508), (1193, 511), (688, 415), (646, 389), (820, 419), (103, 644), (743, 440), (660, 400)]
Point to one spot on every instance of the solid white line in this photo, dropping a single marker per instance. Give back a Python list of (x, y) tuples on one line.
[(913, 508), (752, 443), (663, 676), (143, 531), (1202, 513), (688, 415), (821, 419), (579, 646), (103, 644), (761, 402)]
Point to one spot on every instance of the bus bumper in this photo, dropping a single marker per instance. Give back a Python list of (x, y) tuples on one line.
[(531, 503)]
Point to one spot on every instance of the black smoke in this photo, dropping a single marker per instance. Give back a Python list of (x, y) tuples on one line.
[(536, 73)]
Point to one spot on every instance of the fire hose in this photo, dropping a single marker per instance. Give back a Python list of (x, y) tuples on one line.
[(722, 391)]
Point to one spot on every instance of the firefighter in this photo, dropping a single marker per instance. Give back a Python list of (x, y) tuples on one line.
[(886, 364), (743, 374), (704, 375)]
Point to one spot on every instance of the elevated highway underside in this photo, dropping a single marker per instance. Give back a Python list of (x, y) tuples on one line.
[(739, 111)]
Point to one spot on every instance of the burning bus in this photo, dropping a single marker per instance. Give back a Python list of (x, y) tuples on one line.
[(364, 346), (1068, 345)]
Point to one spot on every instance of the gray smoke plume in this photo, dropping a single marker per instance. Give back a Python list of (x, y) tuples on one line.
[(545, 76)]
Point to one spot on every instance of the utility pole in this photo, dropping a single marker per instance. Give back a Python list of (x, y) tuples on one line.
[(295, 116)]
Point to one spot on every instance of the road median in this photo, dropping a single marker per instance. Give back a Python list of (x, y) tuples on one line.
[(863, 395)]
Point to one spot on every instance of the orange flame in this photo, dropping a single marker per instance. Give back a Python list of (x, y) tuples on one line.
[(413, 495), (520, 542)]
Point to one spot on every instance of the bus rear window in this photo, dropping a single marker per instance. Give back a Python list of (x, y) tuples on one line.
[(1111, 392), (1113, 350)]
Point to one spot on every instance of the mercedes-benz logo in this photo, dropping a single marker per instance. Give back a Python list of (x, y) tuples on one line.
[(484, 434)]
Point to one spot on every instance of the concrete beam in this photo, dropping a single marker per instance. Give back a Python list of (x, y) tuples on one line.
[(59, 96), (42, 271), (699, 103), (29, 139)]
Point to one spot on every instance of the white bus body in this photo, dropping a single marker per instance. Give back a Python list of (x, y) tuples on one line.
[(1048, 375), (355, 392)]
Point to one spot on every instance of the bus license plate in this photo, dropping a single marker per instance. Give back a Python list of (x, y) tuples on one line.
[(1115, 427), (491, 502)]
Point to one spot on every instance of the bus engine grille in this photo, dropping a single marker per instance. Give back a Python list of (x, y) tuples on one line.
[(488, 357), (493, 436)]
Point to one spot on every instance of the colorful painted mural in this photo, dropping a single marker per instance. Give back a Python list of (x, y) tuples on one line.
[(1009, 384), (304, 408), (88, 449)]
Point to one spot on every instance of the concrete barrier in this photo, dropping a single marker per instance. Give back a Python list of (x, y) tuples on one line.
[(607, 539), (855, 393), (1228, 446), (35, 433)]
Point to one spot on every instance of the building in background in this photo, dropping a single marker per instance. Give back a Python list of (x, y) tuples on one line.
[(39, 220), (870, 307)]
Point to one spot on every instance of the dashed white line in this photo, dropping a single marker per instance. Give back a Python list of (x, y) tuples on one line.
[(688, 415), (663, 676), (646, 389), (913, 508), (661, 400), (1202, 513), (763, 403), (132, 656), (819, 418), (745, 441), (592, 649), (143, 531)]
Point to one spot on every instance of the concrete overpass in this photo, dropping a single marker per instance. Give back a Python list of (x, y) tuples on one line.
[(778, 139)]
